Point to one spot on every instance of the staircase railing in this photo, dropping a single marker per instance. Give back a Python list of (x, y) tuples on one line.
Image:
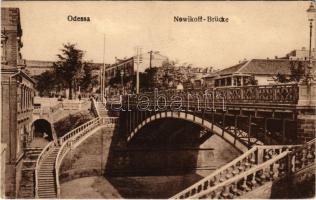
[(84, 127), (241, 181), (76, 136), (247, 157), (253, 158), (42, 155), (95, 108), (277, 167)]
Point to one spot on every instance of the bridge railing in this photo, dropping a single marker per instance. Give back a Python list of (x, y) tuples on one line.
[(74, 137), (255, 159), (42, 155), (262, 94)]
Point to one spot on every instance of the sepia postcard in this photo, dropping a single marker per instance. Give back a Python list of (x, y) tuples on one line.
[(158, 99)]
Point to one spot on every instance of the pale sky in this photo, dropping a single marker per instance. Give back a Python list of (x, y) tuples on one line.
[(255, 29)]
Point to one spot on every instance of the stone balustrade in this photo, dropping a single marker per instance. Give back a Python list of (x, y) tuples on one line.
[(75, 137), (256, 166)]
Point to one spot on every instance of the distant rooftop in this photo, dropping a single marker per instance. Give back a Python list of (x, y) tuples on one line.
[(259, 67)]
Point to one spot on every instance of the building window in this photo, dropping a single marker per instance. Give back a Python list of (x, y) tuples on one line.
[(19, 96)]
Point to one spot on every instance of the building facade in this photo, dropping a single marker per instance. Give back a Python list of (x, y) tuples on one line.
[(17, 92), (254, 71), (301, 54), (37, 67)]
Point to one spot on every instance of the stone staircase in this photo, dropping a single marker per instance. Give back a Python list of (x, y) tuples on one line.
[(46, 176), (26, 189), (102, 110), (47, 173)]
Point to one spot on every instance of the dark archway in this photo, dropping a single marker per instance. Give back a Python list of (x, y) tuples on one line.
[(42, 129), (168, 146), (167, 154)]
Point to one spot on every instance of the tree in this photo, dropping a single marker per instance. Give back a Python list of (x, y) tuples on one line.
[(149, 81), (46, 83), (88, 81), (69, 65), (297, 72)]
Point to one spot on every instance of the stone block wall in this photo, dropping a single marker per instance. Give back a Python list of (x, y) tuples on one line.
[(89, 158), (306, 127)]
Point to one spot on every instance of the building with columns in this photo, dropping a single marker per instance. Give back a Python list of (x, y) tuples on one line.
[(261, 71), (17, 92)]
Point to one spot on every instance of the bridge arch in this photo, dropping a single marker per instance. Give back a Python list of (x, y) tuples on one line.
[(194, 119)]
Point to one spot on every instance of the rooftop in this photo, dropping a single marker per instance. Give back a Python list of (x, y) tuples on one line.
[(259, 67)]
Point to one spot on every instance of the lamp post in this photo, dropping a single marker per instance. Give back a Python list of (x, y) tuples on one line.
[(122, 74), (311, 15)]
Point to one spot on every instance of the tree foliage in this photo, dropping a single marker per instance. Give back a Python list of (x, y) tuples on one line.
[(146, 79), (297, 72), (46, 83), (69, 65), (88, 81), (70, 71)]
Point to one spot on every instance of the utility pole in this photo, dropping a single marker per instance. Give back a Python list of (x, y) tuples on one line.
[(103, 72), (138, 61), (150, 57)]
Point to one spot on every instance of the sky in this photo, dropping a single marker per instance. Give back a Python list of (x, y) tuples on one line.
[(255, 30)]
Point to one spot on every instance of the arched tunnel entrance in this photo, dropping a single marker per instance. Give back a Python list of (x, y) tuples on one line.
[(42, 132)]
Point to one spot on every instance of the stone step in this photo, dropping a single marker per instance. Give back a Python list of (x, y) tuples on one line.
[(50, 186), (50, 195), (46, 191), (51, 156), (44, 181), (46, 169), (48, 164), (47, 187), (47, 175), (44, 178), (52, 161), (47, 184)]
